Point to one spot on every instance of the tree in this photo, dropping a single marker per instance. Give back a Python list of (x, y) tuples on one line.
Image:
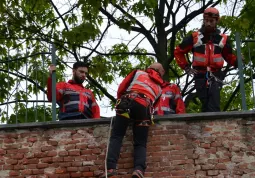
[(79, 30), (244, 24)]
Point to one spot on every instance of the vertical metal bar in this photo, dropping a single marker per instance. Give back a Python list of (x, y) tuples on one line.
[(36, 89), (26, 87), (8, 86), (33, 108), (250, 62), (17, 92), (43, 59), (53, 77), (240, 67)]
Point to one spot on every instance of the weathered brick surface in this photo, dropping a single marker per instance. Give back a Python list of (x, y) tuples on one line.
[(216, 148)]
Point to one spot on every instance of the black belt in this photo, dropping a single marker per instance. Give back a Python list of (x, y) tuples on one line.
[(204, 69), (133, 95)]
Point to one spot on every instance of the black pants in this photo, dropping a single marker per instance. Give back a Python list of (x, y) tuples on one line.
[(208, 95), (137, 113)]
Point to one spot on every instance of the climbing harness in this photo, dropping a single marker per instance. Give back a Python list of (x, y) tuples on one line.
[(210, 77), (149, 105)]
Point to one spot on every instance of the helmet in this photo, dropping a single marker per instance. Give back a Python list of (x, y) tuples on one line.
[(212, 12)]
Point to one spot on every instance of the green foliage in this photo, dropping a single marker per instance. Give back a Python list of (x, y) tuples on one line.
[(23, 114), (243, 23), (90, 10), (143, 60), (145, 7), (194, 106), (81, 33), (29, 27)]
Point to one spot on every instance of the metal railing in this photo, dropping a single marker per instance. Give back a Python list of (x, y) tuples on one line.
[(23, 90), (241, 67), (23, 97)]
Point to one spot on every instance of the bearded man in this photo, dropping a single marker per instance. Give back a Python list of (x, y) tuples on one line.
[(74, 100), (210, 48)]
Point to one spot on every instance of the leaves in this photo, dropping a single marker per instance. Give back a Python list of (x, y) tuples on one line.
[(145, 7), (91, 28), (34, 114), (81, 33)]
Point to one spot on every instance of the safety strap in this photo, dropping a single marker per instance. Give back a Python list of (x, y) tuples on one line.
[(210, 76), (126, 112), (133, 95)]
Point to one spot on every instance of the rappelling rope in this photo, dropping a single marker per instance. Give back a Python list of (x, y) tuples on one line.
[(107, 147)]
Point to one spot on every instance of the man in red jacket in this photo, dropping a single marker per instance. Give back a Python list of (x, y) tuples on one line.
[(210, 49), (170, 101), (136, 97), (75, 101)]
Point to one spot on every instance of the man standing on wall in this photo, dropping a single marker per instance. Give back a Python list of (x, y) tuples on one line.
[(136, 96), (210, 49), (75, 101)]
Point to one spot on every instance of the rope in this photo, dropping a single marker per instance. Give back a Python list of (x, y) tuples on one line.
[(217, 79), (108, 141)]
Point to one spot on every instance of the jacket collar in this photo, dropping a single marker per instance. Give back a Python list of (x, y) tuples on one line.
[(72, 82), (155, 75)]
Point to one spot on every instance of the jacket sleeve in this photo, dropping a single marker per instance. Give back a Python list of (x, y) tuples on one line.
[(95, 108), (59, 89), (180, 106), (227, 53), (125, 84), (181, 50)]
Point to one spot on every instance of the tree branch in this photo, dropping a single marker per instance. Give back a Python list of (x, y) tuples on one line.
[(117, 22), (233, 95), (21, 58), (121, 53), (187, 85), (61, 16), (99, 42), (190, 16), (170, 11), (96, 84), (131, 18), (25, 78), (133, 28), (66, 27)]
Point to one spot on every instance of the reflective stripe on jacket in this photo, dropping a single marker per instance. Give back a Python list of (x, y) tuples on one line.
[(74, 98), (145, 82), (170, 101), (142, 83), (210, 53)]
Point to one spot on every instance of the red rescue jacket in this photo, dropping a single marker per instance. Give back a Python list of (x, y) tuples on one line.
[(205, 54), (170, 101), (145, 82), (73, 97)]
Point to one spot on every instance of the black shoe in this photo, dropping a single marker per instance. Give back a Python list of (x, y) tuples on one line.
[(110, 173), (137, 174)]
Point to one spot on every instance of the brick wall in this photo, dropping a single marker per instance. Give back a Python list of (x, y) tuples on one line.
[(177, 149)]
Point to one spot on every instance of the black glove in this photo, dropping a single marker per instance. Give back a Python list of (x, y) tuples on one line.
[(190, 71)]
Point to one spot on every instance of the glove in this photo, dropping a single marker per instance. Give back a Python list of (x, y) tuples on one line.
[(190, 71)]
